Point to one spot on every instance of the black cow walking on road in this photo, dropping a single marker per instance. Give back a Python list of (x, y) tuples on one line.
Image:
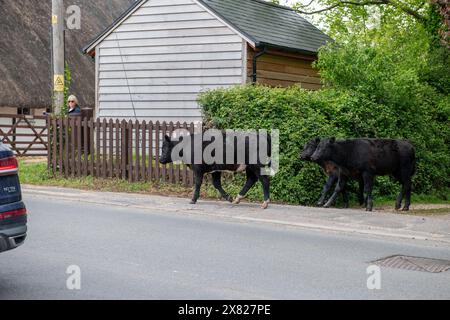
[(239, 163), (370, 158)]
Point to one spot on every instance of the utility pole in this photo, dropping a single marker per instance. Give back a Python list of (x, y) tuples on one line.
[(58, 55)]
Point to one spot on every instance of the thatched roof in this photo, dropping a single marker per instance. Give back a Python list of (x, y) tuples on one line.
[(25, 50)]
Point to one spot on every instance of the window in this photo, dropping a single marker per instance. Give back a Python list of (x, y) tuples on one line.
[(24, 111)]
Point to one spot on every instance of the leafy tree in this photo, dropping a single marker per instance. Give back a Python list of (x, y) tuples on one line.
[(67, 82)]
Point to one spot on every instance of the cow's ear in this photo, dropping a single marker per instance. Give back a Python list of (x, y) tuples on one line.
[(317, 140), (167, 138), (333, 140)]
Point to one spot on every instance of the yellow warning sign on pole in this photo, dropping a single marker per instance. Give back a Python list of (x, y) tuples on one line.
[(59, 83), (54, 19)]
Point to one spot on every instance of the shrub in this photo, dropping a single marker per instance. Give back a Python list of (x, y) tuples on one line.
[(301, 115)]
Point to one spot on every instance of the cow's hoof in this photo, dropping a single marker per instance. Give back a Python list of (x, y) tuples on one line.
[(369, 209), (229, 199), (265, 204), (320, 204), (405, 209), (345, 206), (238, 199), (193, 202), (327, 205)]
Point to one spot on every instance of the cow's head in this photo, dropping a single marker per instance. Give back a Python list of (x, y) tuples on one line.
[(166, 154), (324, 150), (309, 149), (172, 150)]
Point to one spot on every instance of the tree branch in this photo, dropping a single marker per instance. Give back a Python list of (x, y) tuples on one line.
[(307, 5), (407, 10), (397, 5)]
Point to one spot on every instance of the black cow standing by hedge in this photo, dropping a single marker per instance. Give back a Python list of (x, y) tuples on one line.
[(370, 158), (252, 168), (332, 171)]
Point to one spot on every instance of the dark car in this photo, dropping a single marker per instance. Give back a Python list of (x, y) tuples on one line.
[(13, 214)]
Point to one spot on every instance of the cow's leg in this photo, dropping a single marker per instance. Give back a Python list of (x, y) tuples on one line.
[(251, 180), (265, 180), (398, 202), (338, 189), (218, 185), (406, 189), (330, 182), (345, 196), (404, 177), (368, 187), (361, 192), (198, 180)]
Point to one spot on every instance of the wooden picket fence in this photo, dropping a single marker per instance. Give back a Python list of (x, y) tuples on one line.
[(130, 150)]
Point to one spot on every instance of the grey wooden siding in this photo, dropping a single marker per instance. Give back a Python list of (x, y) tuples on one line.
[(154, 65)]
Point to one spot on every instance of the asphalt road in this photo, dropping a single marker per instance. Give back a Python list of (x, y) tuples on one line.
[(129, 253)]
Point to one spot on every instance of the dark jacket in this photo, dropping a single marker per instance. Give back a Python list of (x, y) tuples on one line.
[(75, 110)]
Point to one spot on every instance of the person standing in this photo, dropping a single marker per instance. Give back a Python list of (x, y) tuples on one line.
[(74, 108)]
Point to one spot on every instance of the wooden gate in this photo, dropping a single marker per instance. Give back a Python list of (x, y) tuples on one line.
[(26, 135)]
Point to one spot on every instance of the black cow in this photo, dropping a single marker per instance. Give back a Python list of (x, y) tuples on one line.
[(252, 169), (332, 171), (370, 158)]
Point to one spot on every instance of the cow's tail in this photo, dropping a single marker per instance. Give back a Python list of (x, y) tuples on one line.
[(413, 159)]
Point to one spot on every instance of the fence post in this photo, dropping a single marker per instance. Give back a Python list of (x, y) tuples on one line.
[(171, 173), (85, 145), (123, 149), (66, 147), (130, 150), (185, 171), (111, 148), (52, 141), (49, 145), (104, 153), (164, 166), (117, 164), (150, 151), (79, 133), (157, 168), (191, 173), (144, 151), (97, 153), (137, 168), (177, 168), (91, 146), (72, 146)]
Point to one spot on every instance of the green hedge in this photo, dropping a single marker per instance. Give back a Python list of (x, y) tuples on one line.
[(301, 115)]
